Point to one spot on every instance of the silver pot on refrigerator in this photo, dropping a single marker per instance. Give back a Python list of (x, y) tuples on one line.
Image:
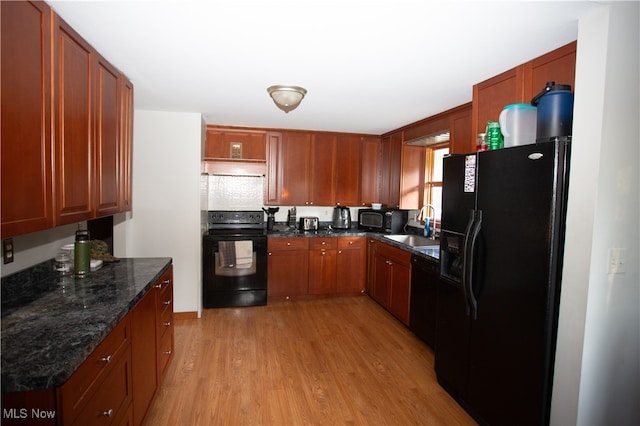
[(341, 218)]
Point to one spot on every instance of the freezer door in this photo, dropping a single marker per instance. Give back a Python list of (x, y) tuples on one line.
[(458, 191), (509, 343)]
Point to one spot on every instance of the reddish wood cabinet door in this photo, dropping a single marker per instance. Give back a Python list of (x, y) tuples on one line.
[(273, 184), (348, 170), (143, 357), (288, 267), (322, 170), (26, 117), (73, 59), (126, 144), (351, 265), (296, 151), (107, 138), (370, 171)]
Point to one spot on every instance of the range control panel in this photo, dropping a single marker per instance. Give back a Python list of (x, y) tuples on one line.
[(228, 217)]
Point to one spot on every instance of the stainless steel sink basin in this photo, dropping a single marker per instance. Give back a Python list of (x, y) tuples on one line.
[(413, 240)]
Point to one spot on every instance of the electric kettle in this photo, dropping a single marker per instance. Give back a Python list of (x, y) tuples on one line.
[(341, 218)]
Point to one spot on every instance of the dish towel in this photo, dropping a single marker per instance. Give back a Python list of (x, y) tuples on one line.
[(226, 254), (244, 254)]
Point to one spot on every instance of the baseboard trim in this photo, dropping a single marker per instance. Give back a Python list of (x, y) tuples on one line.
[(185, 315)]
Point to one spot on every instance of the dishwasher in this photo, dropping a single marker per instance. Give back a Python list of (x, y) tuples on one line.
[(425, 274)]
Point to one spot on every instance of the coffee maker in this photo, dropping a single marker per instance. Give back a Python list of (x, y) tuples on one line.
[(341, 218)]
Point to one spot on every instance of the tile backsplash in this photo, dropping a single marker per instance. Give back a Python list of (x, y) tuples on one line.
[(227, 192)]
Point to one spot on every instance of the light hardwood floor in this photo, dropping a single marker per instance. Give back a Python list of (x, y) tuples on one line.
[(310, 362)]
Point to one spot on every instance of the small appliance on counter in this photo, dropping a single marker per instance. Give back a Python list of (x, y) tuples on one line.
[(271, 219), (386, 221), (308, 223), (341, 218)]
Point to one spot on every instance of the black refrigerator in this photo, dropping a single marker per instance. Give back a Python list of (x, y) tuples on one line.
[(501, 249)]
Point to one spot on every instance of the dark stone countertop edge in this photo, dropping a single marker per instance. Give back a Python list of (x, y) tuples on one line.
[(293, 233), (23, 369)]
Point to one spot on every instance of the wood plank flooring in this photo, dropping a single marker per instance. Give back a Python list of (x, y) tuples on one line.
[(310, 362)]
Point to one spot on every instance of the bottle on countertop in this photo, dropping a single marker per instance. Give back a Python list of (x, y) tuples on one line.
[(82, 253)]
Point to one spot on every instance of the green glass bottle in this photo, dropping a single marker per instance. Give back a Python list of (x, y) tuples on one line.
[(82, 253)]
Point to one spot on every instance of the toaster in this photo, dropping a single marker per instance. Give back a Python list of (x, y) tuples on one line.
[(308, 224)]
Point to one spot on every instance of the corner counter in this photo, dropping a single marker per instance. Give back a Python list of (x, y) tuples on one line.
[(50, 324)]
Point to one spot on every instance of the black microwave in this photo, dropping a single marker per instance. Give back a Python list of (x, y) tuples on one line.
[(388, 221)]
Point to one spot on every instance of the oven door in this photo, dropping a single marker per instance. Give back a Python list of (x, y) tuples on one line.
[(234, 270)]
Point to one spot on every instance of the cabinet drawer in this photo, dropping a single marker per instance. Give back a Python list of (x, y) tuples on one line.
[(165, 352), (351, 243), (112, 398), (165, 321), (277, 244), (398, 255), (330, 243), (165, 298), (84, 383)]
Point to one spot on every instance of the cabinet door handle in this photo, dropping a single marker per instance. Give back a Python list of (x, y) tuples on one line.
[(167, 281), (106, 359), (350, 243), (168, 302), (339, 251), (324, 242), (108, 413), (269, 253), (168, 324), (167, 352), (288, 243)]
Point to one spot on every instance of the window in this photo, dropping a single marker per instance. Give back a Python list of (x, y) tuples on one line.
[(433, 177)]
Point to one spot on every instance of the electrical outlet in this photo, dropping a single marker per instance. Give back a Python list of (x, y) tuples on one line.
[(617, 260), (7, 250)]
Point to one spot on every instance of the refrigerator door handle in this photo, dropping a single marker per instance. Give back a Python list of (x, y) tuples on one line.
[(465, 261), (471, 248)]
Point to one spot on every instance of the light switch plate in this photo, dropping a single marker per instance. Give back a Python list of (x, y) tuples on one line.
[(617, 260)]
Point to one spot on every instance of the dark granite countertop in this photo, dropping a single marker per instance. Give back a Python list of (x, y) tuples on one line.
[(282, 231), (47, 335)]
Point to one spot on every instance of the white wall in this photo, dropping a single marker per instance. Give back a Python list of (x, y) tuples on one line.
[(597, 372), (165, 220)]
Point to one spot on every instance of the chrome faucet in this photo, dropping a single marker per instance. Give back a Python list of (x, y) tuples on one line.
[(422, 215)]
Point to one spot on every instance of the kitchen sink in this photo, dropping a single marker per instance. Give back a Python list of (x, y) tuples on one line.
[(413, 240)]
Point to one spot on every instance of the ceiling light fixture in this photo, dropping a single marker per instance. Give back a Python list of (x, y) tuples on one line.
[(287, 98)]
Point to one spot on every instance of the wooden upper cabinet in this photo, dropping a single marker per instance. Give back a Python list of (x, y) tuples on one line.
[(107, 137), (558, 65), (348, 170), (412, 176), (26, 117), (520, 84), (126, 144), (296, 154), (322, 170), (235, 144), (370, 177), (73, 59), (391, 160), (461, 139), (273, 178), (490, 97)]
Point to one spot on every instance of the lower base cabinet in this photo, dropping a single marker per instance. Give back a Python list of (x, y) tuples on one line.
[(390, 279), (316, 266), (116, 384), (151, 327)]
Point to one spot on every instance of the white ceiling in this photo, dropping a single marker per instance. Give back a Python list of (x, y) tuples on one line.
[(369, 65)]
